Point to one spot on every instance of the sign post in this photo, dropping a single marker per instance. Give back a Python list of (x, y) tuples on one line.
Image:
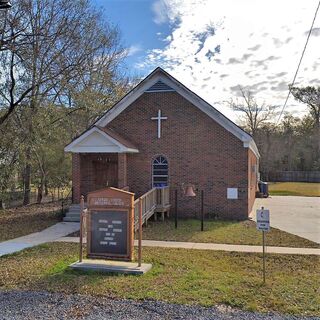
[(176, 209), (202, 210), (263, 224), (81, 226), (140, 234)]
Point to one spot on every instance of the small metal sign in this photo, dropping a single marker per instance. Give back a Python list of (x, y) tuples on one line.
[(263, 220)]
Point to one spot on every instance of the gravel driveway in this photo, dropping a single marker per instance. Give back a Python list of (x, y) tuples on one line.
[(293, 214), (42, 305)]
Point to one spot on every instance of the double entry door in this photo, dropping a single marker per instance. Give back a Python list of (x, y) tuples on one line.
[(106, 173)]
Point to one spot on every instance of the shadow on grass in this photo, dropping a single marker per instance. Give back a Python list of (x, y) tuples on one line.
[(190, 230)]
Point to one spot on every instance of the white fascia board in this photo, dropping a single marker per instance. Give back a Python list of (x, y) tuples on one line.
[(110, 149), (253, 147), (130, 150), (116, 148), (95, 149)]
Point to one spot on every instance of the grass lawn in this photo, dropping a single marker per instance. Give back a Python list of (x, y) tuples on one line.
[(17, 222), (216, 231), (294, 189), (178, 276)]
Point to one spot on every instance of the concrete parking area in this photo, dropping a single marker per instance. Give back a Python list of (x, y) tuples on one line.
[(297, 215)]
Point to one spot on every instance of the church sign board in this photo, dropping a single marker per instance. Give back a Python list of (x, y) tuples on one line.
[(110, 224)]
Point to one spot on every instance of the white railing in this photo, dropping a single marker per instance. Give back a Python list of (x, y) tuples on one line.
[(148, 204), (163, 197), (150, 201)]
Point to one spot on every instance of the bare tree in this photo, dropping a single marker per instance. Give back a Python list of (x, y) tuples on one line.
[(49, 49), (252, 115), (311, 97), (49, 44)]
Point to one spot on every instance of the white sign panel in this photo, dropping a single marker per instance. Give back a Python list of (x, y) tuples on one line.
[(263, 220), (232, 193)]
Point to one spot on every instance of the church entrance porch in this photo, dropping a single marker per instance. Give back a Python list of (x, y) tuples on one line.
[(94, 171), (99, 160)]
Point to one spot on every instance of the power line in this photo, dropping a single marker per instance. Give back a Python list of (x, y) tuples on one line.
[(304, 49)]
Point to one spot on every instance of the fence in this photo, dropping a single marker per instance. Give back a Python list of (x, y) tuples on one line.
[(294, 176), (13, 199)]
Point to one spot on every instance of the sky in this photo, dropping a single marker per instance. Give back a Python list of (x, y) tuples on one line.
[(215, 46)]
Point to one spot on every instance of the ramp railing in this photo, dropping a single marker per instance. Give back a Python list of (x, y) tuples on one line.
[(151, 201)]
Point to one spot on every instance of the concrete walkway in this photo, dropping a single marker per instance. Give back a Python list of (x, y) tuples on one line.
[(58, 232), (50, 234), (214, 246), (293, 214)]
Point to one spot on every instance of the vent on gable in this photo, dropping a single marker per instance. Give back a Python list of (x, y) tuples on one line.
[(159, 86)]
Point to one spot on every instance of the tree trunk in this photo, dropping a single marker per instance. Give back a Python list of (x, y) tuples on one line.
[(46, 189), (40, 191), (27, 178)]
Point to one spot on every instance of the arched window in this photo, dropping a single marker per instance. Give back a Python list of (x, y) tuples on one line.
[(160, 172)]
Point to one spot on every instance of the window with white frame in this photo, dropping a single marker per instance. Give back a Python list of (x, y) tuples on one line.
[(160, 172)]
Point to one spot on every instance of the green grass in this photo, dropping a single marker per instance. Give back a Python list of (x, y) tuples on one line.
[(294, 189), (217, 231), (178, 276)]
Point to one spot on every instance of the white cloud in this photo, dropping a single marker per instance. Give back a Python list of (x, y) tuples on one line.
[(217, 45), (134, 49), (161, 11)]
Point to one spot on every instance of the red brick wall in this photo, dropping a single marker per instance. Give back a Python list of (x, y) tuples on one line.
[(198, 150), (252, 178), (76, 178), (122, 170)]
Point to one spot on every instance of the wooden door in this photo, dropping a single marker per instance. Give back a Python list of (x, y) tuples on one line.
[(106, 174)]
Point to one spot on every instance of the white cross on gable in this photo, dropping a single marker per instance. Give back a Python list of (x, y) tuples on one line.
[(159, 118)]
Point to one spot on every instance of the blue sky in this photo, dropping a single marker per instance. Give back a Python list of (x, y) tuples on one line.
[(139, 32), (213, 46)]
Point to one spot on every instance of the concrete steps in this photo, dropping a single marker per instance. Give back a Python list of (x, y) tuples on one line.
[(73, 214)]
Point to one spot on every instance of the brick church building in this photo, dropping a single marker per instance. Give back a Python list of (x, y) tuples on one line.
[(163, 134)]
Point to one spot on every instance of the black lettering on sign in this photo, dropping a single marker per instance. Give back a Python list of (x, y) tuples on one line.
[(109, 232)]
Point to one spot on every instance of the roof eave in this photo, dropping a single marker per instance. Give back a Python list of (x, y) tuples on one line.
[(73, 146)]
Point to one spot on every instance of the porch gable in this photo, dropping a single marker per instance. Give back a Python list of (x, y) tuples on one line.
[(98, 140)]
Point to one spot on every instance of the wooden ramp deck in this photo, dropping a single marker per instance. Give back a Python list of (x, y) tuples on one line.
[(153, 202)]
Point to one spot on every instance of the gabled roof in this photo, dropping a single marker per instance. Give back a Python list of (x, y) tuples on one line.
[(117, 137), (167, 81), (100, 140)]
